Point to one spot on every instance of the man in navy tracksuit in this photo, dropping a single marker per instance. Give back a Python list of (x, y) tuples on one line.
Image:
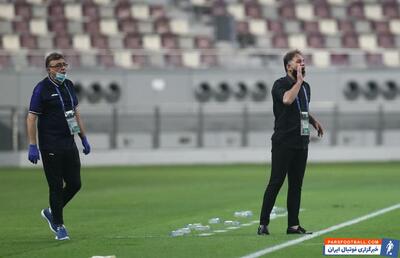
[(54, 107), (291, 97)]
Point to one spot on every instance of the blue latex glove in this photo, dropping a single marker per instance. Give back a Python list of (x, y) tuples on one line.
[(33, 155), (86, 146)]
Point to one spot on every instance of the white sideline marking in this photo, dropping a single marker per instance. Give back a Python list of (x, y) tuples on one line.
[(321, 232)]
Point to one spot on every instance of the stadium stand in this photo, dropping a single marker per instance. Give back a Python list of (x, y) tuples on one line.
[(182, 33)]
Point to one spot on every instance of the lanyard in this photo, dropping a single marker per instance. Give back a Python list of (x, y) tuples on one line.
[(298, 101), (60, 97)]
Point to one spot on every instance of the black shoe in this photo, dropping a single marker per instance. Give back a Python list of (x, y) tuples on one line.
[(299, 230), (262, 230)]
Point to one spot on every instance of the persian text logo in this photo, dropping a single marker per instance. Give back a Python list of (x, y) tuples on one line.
[(361, 246)]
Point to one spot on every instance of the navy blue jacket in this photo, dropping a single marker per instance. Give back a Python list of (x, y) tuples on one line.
[(53, 131)]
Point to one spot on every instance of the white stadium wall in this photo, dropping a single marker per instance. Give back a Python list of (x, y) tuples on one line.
[(362, 122)]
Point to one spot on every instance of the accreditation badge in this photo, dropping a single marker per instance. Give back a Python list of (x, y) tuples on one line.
[(72, 123), (304, 124)]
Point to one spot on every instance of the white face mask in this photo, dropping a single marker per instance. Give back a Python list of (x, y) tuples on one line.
[(60, 77)]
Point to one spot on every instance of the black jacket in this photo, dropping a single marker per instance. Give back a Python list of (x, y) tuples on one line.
[(287, 117)]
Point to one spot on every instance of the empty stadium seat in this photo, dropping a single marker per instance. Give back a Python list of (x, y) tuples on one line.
[(203, 42), (106, 60), (350, 40), (179, 26), (280, 41), (123, 10), (73, 11), (322, 10), (310, 26), (287, 11), (90, 10), (368, 41), (191, 59), (386, 40), (304, 11), (297, 41), (237, 11), (374, 59), (315, 40), (38, 27), (56, 9), (258, 27), (99, 41), (92, 26), (391, 58), (7, 11), (140, 11), (127, 25), (133, 41), (36, 60), (11, 42), (328, 26), (22, 26), (356, 10), (152, 42), (346, 26), (108, 27), (73, 59), (81, 42), (28, 41), (123, 59), (253, 10), (63, 42), (275, 26), (208, 59), (161, 26), (157, 11), (390, 9), (340, 59), (58, 26), (173, 58), (169, 41), (139, 60), (23, 10)]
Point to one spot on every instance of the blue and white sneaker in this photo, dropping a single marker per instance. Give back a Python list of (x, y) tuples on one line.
[(61, 233), (46, 214)]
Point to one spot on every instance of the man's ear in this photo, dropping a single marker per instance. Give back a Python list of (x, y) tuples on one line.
[(288, 66)]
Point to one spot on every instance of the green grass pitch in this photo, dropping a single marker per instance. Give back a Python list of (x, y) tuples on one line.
[(130, 211)]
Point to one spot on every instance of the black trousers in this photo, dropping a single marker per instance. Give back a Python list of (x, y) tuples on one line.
[(293, 163), (62, 170)]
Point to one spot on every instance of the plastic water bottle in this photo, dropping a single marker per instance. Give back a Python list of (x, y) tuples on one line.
[(243, 214), (202, 228), (278, 210), (214, 221), (248, 214), (231, 223), (176, 233), (185, 230), (193, 226)]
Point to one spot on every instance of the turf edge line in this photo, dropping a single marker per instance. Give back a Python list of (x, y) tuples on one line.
[(321, 232)]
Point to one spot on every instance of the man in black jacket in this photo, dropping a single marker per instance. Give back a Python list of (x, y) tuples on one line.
[(291, 97)]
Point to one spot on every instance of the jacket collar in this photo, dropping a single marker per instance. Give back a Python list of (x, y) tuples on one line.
[(290, 79)]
